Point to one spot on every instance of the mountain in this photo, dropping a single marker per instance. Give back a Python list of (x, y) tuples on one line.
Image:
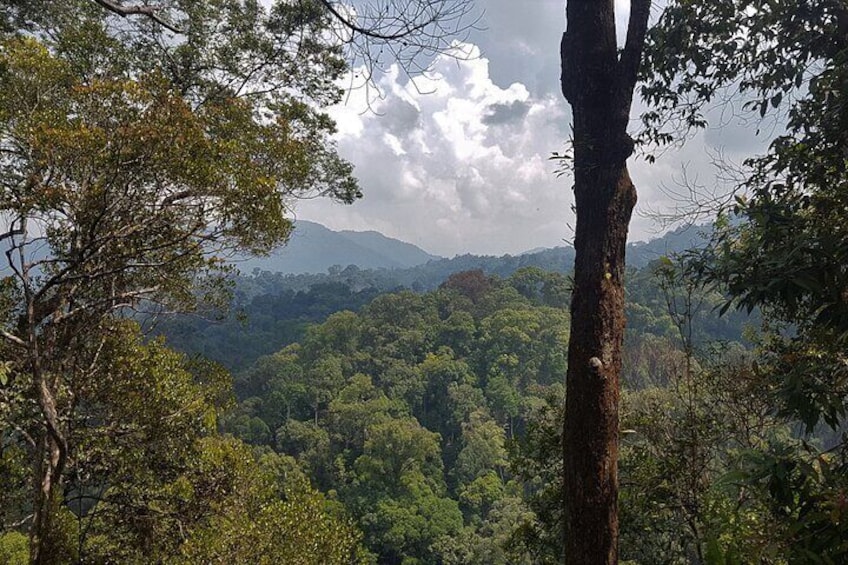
[(314, 248), (641, 253), (279, 305), (405, 254)]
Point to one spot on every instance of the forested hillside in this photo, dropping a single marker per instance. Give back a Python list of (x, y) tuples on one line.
[(314, 249), (269, 310), (424, 414), (688, 406), (434, 419)]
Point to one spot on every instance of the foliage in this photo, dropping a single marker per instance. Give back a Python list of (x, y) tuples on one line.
[(132, 159), (152, 480), (771, 52), (395, 410), (252, 524), (787, 252), (475, 373), (14, 548), (536, 460)]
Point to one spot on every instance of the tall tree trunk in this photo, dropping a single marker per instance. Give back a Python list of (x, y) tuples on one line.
[(50, 460), (599, 84), (51, 448)]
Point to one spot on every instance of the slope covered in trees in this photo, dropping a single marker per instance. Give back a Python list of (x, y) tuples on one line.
[(435, 420), (408, 410), (269, 310), (426, 427), (141, 144)]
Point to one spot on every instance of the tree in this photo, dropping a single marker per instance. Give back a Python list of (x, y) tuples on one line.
[(598, 81), (399, 491), (483, 448), (786, 253), (132, 159), (129, 186)]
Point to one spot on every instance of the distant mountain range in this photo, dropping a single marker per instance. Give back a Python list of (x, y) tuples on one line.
[(315, 249), (279, 305), (641, 253)]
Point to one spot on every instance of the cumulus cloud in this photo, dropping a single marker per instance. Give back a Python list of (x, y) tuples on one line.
[(454, 163), (499, 114), (458, 161)]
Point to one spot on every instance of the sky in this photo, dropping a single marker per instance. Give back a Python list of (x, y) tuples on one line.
[(458, 161)]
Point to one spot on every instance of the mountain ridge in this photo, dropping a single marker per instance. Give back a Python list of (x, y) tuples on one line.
[(316, 249)]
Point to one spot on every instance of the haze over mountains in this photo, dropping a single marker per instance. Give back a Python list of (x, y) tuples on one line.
[(315, 249)]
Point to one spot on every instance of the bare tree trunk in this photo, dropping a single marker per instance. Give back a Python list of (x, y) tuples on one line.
[(598, 83), (594, 365), (51, 447), (50, 460)]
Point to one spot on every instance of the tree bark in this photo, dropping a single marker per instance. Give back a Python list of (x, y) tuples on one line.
[(599, 84), (51, 448), (50, 460)]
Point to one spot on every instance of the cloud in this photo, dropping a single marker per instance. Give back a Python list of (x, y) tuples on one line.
[(454, 163), (458, 162), (499, 114)]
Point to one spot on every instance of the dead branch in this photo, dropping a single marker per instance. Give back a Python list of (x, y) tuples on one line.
[(151, 12)]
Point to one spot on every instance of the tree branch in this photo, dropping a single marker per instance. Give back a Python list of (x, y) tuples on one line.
[(11, 233), (373, 33), (114, 301), (631, 57), (138, 10), (13, 338), (19, 523)]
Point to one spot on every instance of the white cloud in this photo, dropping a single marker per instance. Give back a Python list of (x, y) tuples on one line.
[(458, 166), (458, 162)]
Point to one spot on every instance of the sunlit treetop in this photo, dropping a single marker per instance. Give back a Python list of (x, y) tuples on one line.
[(139, 154)]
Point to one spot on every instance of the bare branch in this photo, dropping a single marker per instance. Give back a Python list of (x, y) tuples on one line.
[(19, 523), (11, 233), (138, 10), (114, 302), (691, 201), (374, 32), (13, 338), (409, 33)]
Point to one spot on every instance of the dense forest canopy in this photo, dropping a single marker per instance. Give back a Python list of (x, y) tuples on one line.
[(462, 383), (140, 145), (414, 417)]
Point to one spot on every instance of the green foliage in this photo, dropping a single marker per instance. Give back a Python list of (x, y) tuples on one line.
[(272, 310), (133, 160), (417, 396), (770, 52), (537, 461), (250, 524), (786, 253), (169, 488), (406, 431), (14, 548)]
